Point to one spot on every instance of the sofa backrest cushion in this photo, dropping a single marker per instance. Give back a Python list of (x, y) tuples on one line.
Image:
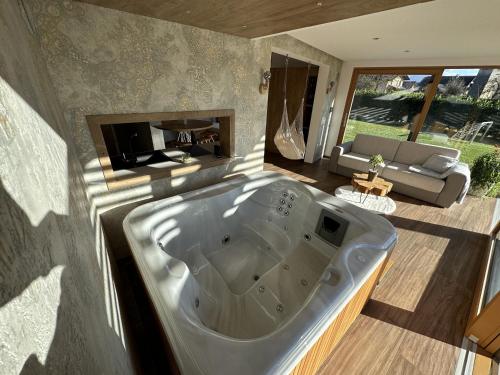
[(439, 163), (417, 153), (371, 145)]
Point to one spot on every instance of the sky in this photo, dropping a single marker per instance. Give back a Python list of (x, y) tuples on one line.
[(460, 72), (449, 72)]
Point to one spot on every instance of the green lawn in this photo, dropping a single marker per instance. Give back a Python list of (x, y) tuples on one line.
[(387, 131), (469, 151)]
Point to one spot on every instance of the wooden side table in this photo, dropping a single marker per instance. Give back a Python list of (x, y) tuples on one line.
[(378, 186)]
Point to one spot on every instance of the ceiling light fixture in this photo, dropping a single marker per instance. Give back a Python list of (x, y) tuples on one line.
[(319, 3), (244, 26)]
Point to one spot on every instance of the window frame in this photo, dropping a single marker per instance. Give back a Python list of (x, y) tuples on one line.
[(435, 71)]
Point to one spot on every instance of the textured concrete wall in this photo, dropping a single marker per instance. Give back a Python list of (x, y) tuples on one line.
[(58, 312), (58, 308)]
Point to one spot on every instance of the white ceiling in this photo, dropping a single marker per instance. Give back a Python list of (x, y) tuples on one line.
[(437, 29)]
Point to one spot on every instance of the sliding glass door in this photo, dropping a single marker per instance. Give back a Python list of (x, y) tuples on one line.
[(457, 108), (465, 112), (386, 104)]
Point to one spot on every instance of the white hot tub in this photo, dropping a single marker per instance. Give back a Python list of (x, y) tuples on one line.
[(247, 274)]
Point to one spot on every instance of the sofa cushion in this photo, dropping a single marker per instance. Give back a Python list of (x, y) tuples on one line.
[(371, 145), (400, 173), (439, 163), (426, 172), (418, 153), (358, 162)]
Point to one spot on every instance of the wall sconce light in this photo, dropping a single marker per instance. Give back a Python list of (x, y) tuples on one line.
[(331, 86), (264, 85)]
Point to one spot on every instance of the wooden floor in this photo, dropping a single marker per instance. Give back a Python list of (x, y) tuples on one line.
[(416, 318)]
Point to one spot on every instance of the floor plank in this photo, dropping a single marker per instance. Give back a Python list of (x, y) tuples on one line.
[(416, 318)]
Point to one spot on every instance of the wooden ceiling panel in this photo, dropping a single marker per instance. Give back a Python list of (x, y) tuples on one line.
[(253, 18)]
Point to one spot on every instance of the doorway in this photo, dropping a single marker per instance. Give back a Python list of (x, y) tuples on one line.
[(302, 79)]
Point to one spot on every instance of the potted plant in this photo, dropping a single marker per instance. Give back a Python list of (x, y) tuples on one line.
[(485, 173), (375, 162), (186, 158)]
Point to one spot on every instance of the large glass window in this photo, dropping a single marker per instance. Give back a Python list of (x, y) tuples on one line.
[(386, 105), (465, 112), (461, 111)]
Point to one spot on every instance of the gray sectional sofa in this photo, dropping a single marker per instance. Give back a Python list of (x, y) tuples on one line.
[(399, 156)]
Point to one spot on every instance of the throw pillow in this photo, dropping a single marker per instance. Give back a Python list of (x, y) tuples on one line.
[(439, 163)]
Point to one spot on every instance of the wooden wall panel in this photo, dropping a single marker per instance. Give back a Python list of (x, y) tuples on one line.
[(482, 363), (486, 326), (494, 346), (317, 355), (484, 321)]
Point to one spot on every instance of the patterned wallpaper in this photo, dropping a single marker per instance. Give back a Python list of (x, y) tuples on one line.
[(107, 61), (58, 307)]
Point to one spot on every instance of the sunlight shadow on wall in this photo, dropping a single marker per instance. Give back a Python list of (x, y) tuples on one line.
[(20, 143), (101, 200), (23, 134), (36, 337), (252, 162), (41, 186)]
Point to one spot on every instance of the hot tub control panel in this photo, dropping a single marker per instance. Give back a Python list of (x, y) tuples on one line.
[(331, 227)]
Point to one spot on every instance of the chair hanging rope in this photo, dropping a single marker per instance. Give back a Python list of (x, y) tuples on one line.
[(297, 126), (289, 138)]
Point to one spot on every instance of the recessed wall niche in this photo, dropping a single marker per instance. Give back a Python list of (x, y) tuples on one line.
[(136, 148)]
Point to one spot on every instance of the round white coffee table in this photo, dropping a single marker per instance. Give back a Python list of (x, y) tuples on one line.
[(373, 203)]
